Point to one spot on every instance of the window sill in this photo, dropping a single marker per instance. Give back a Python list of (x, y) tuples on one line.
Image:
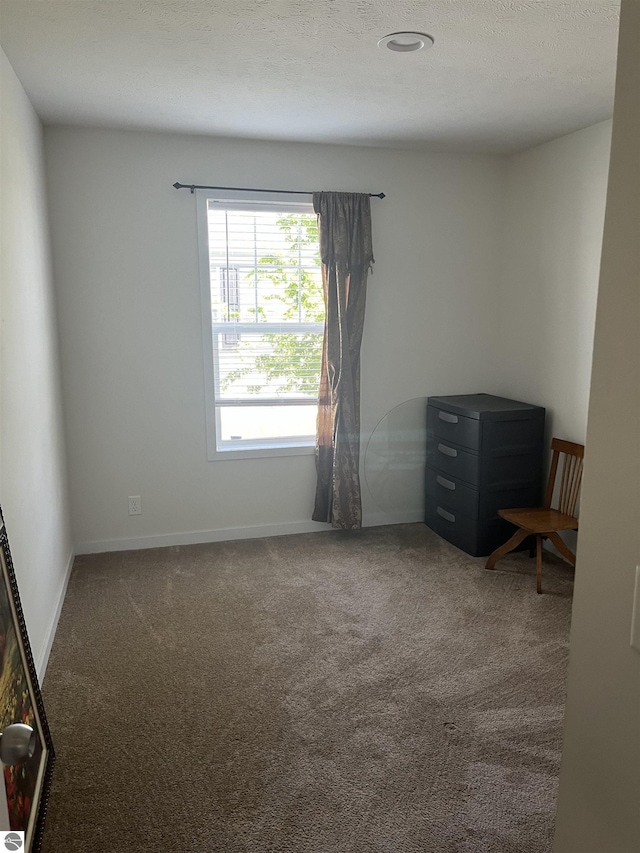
[(261, 452)]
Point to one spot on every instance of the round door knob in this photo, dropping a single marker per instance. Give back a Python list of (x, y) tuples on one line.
[(17, 744)]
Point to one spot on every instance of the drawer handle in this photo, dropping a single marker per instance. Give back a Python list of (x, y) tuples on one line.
[(446, 483), (448, 451), (448, 516), (450, 419)]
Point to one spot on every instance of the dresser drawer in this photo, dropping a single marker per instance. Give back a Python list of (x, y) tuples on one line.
[(471, 536), (453, 460), (481, 470), (452, 427), (455, 527), (450, 493), (492, 500)]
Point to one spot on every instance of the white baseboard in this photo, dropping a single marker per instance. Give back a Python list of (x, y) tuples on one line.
[(199, 537), (43, 657), (376, 519)]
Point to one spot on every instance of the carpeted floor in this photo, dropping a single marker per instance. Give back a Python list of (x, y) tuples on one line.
[(323, 693)]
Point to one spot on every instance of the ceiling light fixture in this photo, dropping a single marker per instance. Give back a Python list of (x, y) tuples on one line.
[(407, 42)]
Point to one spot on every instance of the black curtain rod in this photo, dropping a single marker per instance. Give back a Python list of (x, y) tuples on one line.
[(194, 187)]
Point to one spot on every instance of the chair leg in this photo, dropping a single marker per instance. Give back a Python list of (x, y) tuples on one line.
[(560, 545), (538, 564), (512, 543)]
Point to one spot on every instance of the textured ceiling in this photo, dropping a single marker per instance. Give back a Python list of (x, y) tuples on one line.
[(503, 75)]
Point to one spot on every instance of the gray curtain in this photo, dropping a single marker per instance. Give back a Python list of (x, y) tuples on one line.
[(344, 226)]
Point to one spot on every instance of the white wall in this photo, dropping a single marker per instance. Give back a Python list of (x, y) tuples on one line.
[(33, 489), (554, 217), (599, 800), (125, 260)]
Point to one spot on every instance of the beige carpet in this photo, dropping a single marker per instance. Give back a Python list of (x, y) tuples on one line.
[(365, 692)]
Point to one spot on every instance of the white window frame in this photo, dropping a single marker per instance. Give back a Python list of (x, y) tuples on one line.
[(284, 446)]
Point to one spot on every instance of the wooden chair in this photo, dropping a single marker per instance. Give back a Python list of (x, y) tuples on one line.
[(544, 522)]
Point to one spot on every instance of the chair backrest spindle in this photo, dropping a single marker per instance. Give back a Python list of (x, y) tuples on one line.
[(552, 478), (570, 476)]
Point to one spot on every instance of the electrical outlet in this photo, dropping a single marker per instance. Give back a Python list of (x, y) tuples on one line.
[(135, 505), (635, 613)]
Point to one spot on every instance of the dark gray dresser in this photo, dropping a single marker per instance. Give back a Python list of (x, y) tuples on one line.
[(484, 453)]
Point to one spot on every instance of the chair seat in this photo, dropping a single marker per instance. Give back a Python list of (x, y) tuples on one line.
[(539, 519)]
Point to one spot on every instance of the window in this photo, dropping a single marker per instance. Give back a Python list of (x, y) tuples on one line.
[(263, 322)]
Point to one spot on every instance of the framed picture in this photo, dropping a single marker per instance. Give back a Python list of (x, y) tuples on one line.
[(26, 784)]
